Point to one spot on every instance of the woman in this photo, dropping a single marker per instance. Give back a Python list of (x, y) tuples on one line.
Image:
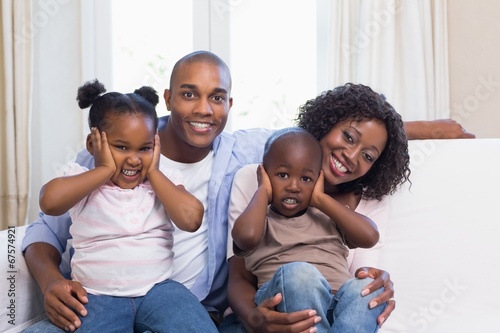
[(365, 157)]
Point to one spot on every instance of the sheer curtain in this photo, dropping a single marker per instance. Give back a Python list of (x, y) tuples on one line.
[(15, 104), (399, 48)]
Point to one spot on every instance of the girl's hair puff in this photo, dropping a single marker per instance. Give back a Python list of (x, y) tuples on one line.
[(102, 106), (359, 102)]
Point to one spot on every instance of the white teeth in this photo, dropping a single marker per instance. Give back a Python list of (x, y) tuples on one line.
[(129, 172), (200, 125), (290, 201), (339, 165)]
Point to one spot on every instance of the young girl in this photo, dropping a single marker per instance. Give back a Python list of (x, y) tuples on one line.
[(364, 157), (122, 212)]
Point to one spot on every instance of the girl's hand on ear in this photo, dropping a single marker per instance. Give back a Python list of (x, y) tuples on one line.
[(155, 163), (101, 152), (264, 182), (318, 191)]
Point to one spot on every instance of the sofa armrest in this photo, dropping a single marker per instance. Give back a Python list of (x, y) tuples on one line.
[(22, 300)]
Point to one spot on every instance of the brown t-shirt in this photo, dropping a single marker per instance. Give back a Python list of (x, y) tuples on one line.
[(312, 237)]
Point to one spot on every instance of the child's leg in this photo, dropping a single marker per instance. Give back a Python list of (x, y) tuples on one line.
[(351, 313), (303, 287), (108, 314), (44, 326), (104, 314), (171, 307)]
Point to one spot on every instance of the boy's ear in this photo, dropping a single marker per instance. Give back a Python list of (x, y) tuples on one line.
[(89, 144)]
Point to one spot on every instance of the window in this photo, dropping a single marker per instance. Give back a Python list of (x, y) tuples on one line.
[(148, 42), (273, 61), (271, 51)]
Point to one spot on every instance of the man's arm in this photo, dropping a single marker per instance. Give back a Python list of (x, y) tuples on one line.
[(60, 295), (436, 129)]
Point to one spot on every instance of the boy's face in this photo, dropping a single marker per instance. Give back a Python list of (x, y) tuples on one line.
[(199, 101), (293, 171), (131, 141)]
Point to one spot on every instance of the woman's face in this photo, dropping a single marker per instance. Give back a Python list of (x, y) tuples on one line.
[(351, 148)]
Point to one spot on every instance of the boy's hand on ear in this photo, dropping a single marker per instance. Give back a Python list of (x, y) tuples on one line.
[(319, 190), (101, 152), (264, 182)]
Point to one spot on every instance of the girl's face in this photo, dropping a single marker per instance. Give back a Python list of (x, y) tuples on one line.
[(131, 141), (351, 148)]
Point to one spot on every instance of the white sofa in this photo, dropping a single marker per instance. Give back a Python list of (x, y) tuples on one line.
[(442, 245)]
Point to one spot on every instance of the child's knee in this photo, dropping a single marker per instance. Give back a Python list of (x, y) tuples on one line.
[(300, 271), (356, 286)]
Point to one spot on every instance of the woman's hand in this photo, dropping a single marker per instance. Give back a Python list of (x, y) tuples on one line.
[(381, 279)]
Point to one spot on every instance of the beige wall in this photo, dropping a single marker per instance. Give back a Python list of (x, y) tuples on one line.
[(474, 53)]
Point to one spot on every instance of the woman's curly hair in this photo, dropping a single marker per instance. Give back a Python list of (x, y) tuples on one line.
[(359, 102)]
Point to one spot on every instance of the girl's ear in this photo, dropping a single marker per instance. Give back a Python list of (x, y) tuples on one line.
[(89, 144)]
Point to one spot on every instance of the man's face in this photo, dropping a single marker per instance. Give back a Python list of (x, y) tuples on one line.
[(199, 101)]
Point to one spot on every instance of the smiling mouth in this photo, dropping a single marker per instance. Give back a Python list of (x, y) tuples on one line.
[(130, 173), (200, 125), (338, 165)]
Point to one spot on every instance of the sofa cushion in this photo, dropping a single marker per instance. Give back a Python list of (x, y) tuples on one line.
[(442, 242), (22, 301)]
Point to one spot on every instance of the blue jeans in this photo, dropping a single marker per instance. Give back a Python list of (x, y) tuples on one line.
[(304, 287), (167, 307)]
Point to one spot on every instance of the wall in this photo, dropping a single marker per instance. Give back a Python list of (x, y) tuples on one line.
[(474, 52)]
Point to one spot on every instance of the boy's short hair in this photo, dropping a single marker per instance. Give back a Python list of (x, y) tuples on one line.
[(294, 135)]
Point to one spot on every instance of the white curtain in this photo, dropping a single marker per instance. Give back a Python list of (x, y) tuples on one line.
[(399, 48), (15, 97)]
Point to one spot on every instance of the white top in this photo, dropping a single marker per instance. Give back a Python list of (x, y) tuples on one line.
[(191, 248), (122, 238)]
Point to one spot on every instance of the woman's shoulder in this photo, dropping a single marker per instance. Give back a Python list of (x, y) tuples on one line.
[(368, 206)]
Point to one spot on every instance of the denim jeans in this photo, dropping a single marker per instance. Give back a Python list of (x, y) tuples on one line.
[(304, 287), (167, 307)]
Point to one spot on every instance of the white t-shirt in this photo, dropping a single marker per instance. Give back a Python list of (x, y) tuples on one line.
[(190, 248)]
